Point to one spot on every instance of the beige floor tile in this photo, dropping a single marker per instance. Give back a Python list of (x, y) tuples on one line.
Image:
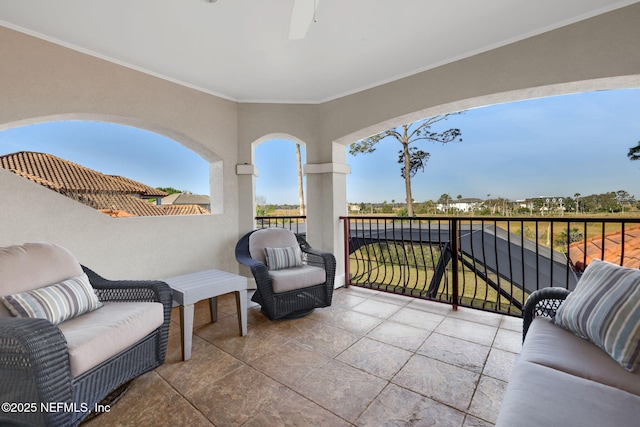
[(388, 297), (258, 341), (400, 335), (418, 318), (376, 308), (207, 364), (478, 316), (500, 364), (431, 306), (377, 358), (455, 351), (239, 396), (397, 406), (487, 399), (341, 389), (439, 381), (471, 421), (511, 323), (321, 337), (349, 320), (291, 363), (508, 340), (466, 330), (150, 401)]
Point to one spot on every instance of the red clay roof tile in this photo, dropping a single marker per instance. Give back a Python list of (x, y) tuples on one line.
[(113, 195), (610, 248)]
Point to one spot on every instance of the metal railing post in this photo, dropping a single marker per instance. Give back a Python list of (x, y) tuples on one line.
[(347, 238), (453, 227)]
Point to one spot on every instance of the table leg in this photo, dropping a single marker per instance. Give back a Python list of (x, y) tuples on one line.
[(241, 306), (213, 307), (186, 330)]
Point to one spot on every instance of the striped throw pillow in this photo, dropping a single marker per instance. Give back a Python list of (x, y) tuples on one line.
[(605, 309), (55, 303), (279, 258)]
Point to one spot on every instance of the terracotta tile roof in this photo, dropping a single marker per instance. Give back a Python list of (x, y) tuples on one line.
[(112, 195), (123, 202), (56, 173), (612, 244), (184, 210), (145, 190)]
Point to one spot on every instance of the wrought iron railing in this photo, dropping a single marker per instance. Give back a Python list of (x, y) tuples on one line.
[(297, 224), (490, 263), (499, 260)]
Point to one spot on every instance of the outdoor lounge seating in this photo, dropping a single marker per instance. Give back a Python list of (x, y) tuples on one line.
[(291, 277), (68, 337), (579, 361)]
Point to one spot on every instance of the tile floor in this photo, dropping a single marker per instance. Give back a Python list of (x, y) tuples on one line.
[(371, 359)]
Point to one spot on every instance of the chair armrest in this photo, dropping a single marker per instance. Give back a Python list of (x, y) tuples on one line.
[(316, 257), (34, 363), (543, 302), (258, 269)]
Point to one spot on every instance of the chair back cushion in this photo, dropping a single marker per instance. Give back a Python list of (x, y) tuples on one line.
[(32, 266), (270, 238)]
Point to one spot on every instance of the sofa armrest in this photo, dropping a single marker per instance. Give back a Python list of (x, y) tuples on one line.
[(34, 367), (543, 302), (136, 291), (129, 290)]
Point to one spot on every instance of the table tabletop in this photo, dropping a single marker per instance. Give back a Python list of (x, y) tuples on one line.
[(193, 287)]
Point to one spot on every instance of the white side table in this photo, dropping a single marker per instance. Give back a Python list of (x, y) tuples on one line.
[(190, 288)]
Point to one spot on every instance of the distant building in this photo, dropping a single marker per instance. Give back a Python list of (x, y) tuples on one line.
[(187, 198), (543, 203), (461, 205), (115, 196)]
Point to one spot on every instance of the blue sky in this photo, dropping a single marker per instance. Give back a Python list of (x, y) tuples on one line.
[(555, 146)]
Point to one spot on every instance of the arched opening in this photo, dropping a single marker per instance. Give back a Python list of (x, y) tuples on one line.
[(557, 146), (281, 184), (118, 169)]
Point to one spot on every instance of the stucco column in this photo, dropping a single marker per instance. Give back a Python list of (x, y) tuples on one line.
[(326, 202), (246, 201)]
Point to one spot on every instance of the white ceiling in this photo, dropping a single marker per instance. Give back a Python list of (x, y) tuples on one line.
[(239, 49)]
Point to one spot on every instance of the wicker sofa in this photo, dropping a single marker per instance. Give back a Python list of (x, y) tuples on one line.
[(564, 379), (53, 373)]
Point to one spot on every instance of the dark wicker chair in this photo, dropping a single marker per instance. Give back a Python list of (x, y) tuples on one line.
[(293, 303), (543, 302), (34, 362)]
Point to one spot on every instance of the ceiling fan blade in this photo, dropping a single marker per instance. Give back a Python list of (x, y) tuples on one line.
[(302, 15)]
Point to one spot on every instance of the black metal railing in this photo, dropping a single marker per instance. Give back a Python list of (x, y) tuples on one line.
[(490, 263), (297, 224)]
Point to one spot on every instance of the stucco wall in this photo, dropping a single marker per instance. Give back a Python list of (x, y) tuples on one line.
[(41, 81)]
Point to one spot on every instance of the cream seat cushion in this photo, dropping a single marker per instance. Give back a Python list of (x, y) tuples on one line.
[(289, 279), (97, 336)]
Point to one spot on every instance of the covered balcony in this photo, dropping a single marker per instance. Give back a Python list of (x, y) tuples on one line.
[(165, 66)]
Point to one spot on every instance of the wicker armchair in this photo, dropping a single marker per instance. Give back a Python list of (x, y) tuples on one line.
[(305, 295), (35, 362), (543, 302)]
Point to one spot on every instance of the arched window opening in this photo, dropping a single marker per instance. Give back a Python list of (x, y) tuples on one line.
[(280, 187), (512, 158), (119, 170)]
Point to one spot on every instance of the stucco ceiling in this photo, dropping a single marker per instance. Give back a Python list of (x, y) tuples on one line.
[(239, 49)]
